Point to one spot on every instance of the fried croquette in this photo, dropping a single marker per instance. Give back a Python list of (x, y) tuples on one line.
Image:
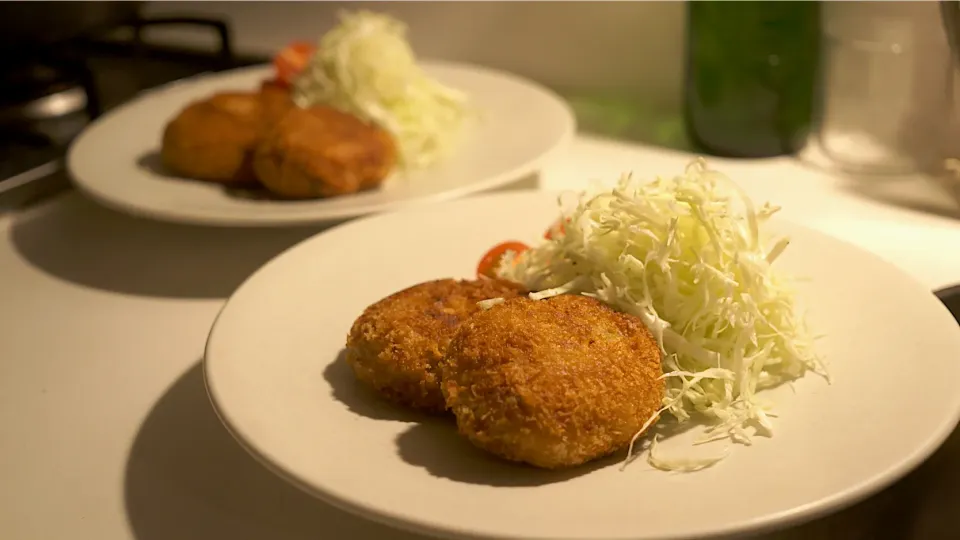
[(276, 101), (395, 345), (213, 139), (553, 383), (322, 152)]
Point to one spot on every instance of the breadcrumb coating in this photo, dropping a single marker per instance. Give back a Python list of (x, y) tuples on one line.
[(553, 383), (397, 343)]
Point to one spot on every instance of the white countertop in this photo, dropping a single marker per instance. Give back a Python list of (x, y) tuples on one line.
[(105, 429)]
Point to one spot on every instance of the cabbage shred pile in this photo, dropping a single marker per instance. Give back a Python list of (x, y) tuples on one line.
[(686, 256), (364, 66)]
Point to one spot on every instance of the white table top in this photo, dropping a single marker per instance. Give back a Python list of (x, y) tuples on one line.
[(105, 428)]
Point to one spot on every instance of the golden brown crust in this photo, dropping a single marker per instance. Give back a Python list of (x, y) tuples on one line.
[(276, 101), (213, 139), (396, 344), (322, 152), (553, 383)]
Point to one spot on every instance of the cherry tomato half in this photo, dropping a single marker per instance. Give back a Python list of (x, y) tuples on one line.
[(491, 260), (557, 229), (290, 61)]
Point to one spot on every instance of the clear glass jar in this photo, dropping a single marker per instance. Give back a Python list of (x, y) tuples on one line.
[(885, 91)]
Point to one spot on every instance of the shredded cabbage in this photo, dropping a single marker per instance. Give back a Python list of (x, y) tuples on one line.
[(686, 256), (365, 66), (487, 304), (680, 464)]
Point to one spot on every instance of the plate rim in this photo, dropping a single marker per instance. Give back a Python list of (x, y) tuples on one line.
[(836, 502), (334, 215)]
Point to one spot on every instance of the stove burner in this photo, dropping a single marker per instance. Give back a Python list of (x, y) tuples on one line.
[(61, 103), (51, 93), (55, 81), (25, 150), (49, 84), (31, 80)]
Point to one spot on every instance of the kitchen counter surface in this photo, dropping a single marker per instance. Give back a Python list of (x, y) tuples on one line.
[(106, 428)]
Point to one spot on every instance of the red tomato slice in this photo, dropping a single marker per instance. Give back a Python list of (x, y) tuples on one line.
[(491, 260), (557, 229), (292, 59)]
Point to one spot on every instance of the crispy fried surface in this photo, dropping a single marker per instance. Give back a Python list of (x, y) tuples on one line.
[(276, 101), (322, 152), (395, 345), (212, 139), (553, 383)]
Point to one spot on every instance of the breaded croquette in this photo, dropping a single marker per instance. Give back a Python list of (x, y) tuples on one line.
[(213, 139), (553, 383), (396, 344), (276, 101), (322, 152)]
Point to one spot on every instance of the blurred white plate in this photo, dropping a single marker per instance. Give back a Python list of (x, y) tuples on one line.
[(273, 373), (116, 159)]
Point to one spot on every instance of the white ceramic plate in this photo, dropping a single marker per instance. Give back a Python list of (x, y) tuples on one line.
[(115, 160), (273, 374)]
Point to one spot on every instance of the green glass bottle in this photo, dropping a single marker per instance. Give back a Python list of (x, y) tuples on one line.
[(750, 76)]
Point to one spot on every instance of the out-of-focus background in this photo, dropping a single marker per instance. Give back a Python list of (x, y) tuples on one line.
[(856, 88), (843, 111), (621, 64), (627, 46)]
